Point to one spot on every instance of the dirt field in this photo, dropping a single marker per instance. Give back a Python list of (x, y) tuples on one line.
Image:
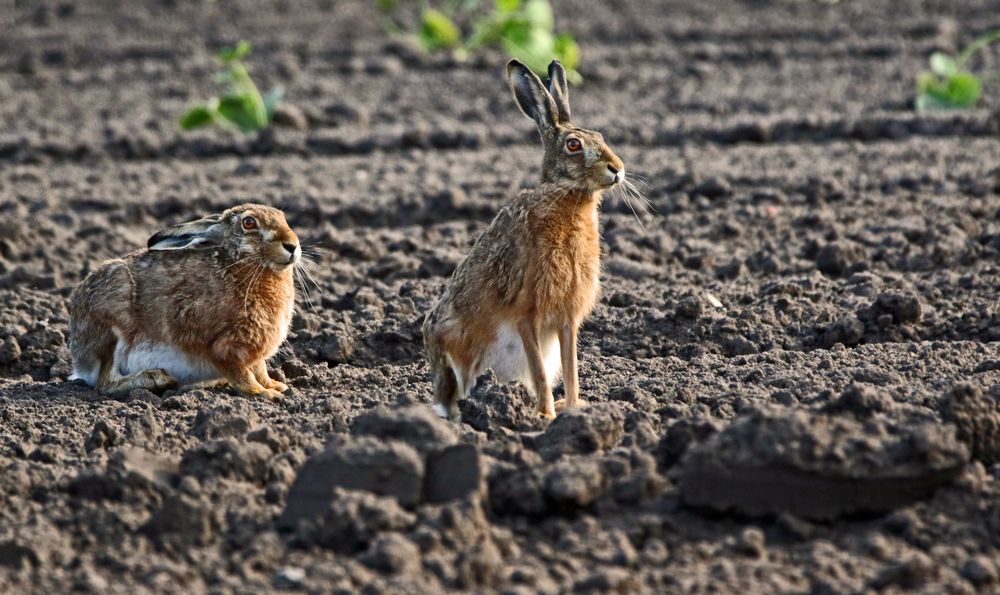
[(793, 369)]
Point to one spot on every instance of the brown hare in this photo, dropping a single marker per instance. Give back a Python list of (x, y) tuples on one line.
[(515, 303), (207, 301)]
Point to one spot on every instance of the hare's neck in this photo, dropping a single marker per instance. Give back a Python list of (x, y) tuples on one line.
[(568, 213), (570, 201), (265, 291)]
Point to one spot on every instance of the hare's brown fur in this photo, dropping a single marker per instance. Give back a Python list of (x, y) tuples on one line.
[(214, 313), (535, 270)]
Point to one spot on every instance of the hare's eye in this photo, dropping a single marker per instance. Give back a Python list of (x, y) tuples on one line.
[(249, 223), (573, 145)]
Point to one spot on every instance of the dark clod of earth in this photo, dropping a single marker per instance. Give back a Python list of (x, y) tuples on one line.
[(792, 373)]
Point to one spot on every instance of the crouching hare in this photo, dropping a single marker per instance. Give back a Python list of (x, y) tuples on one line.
[(515, 303), (207, 301)]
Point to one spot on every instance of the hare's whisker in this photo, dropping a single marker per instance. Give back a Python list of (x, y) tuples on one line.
[(308, 275), (311, 258), (309, 268), (303, 282), (312, 267), (253, 281), (306, 297), (623, 195), (640, 195), (240, 261)]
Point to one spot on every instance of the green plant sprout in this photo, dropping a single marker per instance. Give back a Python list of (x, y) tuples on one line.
[(948, 85), (242, 108), (525, 29), (438, 31)]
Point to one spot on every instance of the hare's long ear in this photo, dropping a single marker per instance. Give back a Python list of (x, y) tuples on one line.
[(203, 233), (559, 89), (531, 96)]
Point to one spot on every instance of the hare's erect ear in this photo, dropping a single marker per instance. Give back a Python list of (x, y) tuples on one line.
[(531, 96), (559, 89), (203, 233)]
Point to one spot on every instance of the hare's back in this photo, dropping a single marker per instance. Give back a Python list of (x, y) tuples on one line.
[(107, 289)]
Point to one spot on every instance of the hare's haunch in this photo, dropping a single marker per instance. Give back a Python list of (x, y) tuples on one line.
[(515, 303)]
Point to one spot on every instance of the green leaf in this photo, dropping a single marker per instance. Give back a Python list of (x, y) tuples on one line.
[(272, 99), (942, 64), (516, 32), (241, 112), (567, 51), (508, 5), (485, 31), (959, 91), (539, 14), (536, 49), (437, 31), (196, 117), (925, 80), (237, 52), (386, 5), (964, 89)]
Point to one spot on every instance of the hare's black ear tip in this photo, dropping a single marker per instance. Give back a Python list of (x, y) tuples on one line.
[(513, 66), (555, 65)]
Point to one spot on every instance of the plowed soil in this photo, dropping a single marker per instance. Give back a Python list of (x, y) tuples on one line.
[(816, 250)]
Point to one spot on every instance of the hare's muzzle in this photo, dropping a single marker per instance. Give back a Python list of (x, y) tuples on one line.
[(617, 174), (614, 174), (293, 252)]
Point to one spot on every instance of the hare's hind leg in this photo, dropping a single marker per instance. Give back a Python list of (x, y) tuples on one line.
[(93, 349), (111, 380), (99, 301), (448, 388), (99, 350), (153, 379), (446, 392)]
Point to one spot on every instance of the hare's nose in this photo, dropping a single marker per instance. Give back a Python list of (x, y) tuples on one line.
[(618, 173), (290, 246)]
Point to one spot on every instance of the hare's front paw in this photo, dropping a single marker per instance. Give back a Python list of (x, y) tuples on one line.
[(547, 412), (562, 406), (272, 394), (275, 385)]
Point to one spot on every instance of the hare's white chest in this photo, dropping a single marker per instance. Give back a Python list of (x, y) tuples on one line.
[(283, 322)]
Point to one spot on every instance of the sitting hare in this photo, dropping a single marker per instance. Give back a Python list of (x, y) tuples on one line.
[(210, 300), (533, 275)]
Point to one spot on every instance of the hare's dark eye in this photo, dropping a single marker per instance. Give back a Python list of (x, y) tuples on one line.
[(249, 223), (573, 145)]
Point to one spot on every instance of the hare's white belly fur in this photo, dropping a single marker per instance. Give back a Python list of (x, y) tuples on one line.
[(184, 368), (506, 357), (145, 356)]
